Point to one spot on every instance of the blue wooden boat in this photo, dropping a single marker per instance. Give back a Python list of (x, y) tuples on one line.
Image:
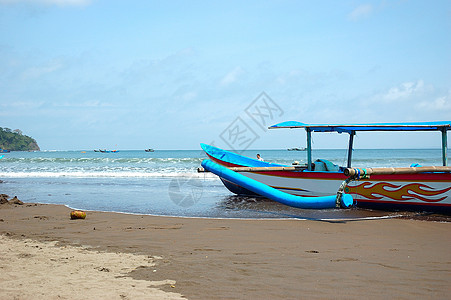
[(419, 188), (4, 151)]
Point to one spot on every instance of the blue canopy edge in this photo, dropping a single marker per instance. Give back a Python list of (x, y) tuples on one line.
[(409, 126), (442, 126)]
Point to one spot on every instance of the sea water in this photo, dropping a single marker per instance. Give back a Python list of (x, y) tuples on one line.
[(167, 182)]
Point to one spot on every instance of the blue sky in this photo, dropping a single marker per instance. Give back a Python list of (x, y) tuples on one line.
[(87, 74)]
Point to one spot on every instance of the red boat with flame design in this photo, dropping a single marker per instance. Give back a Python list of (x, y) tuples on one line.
[(415, 187)]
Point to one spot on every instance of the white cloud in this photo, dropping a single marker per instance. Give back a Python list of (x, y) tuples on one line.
[(232, 76), (189, 96), (404, 90), (36, 72), (360, 12), (409, 101), (85, 104), (440, 104), (21, 105), (50, 2)]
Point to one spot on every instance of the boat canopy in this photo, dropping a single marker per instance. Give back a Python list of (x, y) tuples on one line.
[(348, 128), (442, 126)]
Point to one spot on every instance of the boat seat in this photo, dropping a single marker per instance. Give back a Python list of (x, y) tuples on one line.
[(323, 165)]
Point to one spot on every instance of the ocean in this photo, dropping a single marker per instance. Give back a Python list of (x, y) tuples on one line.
[(166, 182)]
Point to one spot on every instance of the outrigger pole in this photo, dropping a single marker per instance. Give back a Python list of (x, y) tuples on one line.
[(309, 148), (351, 141), (361, 173), (444, 146)]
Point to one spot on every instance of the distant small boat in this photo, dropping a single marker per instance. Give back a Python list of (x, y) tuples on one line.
[(149, 150), (4, 151), (106, 151), (296, 149)]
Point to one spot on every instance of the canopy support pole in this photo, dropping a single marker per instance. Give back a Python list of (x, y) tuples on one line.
[(351, 141), (309, 148), (444, 147)]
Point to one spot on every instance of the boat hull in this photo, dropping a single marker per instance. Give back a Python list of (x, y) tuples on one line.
[(419, 192)]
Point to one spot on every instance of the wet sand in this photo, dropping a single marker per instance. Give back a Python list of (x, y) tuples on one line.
[(119, 256)]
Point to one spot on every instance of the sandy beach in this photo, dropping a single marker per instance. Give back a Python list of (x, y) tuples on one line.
[(45, 254)]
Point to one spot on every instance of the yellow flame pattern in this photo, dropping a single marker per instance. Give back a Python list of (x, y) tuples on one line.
[(411, 191)]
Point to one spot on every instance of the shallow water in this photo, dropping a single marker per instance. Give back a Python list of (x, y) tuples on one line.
[(167, 183)]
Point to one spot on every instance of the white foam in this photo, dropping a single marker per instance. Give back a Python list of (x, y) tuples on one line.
[(78, 174)]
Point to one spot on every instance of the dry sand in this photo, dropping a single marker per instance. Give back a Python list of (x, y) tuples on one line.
[(44, 254), (42, 270)]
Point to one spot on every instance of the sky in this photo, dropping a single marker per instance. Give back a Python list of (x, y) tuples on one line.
[(90, 74)]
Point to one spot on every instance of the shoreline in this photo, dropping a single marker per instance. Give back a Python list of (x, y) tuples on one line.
[(203, 258), (410, 215)]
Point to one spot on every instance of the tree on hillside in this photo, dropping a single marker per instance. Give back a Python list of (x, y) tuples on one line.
[(16, 141)]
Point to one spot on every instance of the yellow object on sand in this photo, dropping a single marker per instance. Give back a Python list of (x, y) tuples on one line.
[(77, 214)]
